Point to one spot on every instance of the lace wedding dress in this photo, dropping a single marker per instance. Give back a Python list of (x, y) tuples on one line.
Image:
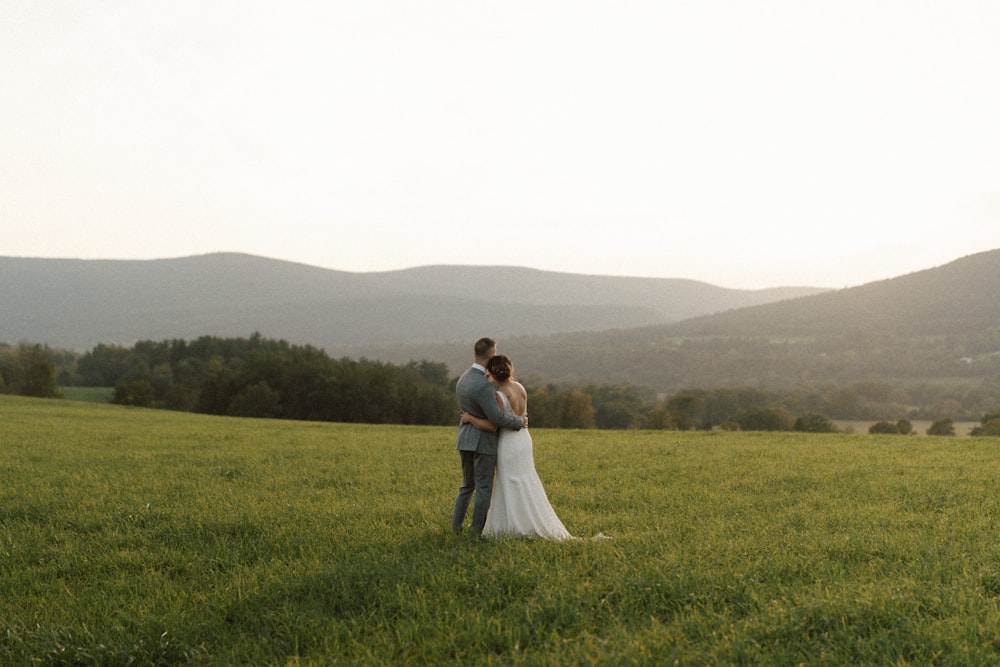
[(519, 506)]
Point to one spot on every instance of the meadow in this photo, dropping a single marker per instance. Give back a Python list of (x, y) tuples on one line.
[(148, 537)]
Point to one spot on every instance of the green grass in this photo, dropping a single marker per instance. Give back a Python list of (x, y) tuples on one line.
[(144, 537)]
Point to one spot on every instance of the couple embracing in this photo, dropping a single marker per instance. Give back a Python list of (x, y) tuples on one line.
[(493, 439)]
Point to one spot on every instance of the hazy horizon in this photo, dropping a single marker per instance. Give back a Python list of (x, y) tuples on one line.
[(498, 266)]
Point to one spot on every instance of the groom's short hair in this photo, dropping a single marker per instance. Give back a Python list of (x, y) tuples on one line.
[(485, 348)]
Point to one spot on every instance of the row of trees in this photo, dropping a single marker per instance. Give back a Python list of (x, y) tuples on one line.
[(271, 378), (905, 427), (257, 377), (266, 378)]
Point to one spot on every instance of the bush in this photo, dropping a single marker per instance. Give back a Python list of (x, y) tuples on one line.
[(942, 427), (883, 428), (764, 419), (815, 423), (990, 426)]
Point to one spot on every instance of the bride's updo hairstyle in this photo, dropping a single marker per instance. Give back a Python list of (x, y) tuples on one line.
[(500, 367)]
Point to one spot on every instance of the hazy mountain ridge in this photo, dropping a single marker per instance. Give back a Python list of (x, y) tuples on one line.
[(77, 304), (938, 325), (943, 300), (679, 301)]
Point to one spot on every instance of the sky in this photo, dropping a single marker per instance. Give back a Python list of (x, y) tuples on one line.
[(743, 143)]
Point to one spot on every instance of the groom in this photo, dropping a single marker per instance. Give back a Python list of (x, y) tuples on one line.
[(478, 449)]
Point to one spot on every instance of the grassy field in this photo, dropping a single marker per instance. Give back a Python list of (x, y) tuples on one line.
[(147, 537)]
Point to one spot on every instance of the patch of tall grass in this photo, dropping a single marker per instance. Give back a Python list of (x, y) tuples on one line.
[(133, 536)]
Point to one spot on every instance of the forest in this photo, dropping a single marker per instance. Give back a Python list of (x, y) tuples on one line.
[(268, 378)]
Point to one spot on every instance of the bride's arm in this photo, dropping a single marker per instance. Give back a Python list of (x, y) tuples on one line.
[(479, 422)]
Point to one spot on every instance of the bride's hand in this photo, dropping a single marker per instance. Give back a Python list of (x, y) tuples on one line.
[(464, 417)]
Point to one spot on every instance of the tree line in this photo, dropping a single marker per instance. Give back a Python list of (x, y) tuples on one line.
[(259, 377)]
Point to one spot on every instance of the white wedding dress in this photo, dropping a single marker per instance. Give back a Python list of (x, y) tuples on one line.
[(519, 506)]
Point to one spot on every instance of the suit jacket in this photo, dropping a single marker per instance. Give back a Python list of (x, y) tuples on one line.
[(477, 396)]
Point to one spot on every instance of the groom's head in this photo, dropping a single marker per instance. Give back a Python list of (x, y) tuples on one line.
[(485, 349)]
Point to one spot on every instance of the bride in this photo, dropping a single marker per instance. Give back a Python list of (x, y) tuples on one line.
[(519, 505)]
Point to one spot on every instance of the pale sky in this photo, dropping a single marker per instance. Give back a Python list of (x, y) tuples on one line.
[(744, 143)]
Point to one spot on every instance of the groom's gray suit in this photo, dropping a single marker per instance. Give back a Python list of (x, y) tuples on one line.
[(477, 396)]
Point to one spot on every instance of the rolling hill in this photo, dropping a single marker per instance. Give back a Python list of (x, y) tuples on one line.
[(952, 299), (76, 304), (938, 326)]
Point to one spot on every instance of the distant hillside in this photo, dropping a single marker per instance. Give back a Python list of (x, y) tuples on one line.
[(952, 299), (77, 304), (940, 326)]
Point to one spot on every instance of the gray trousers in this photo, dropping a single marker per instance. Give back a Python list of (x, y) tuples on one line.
[(477, 478)]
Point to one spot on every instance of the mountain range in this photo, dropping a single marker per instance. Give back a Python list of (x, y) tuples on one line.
[(76, 304), (940, 325)]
